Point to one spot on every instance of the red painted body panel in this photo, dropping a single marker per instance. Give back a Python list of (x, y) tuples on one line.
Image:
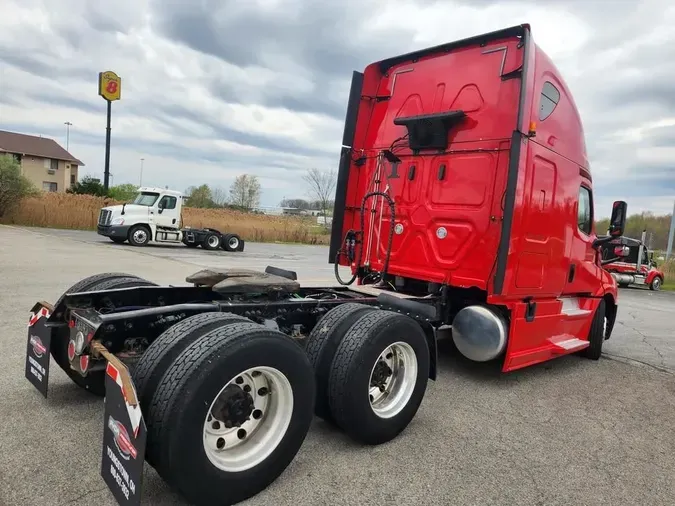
[(461, 191), (467, 199)]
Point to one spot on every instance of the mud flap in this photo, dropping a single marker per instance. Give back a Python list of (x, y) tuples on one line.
[(37, 347), (124, 437)]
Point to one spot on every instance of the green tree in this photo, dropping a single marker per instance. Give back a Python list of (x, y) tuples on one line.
[(245, 192), (123, 192), (88, 186), (199, 196), (14, 186)]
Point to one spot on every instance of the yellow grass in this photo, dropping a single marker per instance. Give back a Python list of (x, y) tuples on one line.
[(59, 210)]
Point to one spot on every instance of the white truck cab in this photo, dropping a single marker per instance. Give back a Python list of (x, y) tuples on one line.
[(155, 215)]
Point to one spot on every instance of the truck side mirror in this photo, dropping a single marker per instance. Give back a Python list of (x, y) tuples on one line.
[(160, 207), (617, 223)]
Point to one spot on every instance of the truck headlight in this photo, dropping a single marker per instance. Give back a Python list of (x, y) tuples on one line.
[(117, 221)]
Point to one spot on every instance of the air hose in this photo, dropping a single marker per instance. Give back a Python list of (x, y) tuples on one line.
[(350, 237)]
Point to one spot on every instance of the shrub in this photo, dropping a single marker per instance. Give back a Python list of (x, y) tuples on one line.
[(14, 186)]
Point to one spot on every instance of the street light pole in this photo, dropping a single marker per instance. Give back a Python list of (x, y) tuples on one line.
[(68, 125), (140, 183)]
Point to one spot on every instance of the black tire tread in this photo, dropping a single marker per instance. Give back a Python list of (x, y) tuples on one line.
[(596, 337), (178, 383), (168, 345), (93, 382), (347, 358), (179, 371), (322, 344)]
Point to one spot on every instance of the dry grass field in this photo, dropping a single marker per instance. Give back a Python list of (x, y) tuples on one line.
[(58, 210)]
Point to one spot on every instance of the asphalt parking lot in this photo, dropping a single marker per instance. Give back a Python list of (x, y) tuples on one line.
[(571, 431)]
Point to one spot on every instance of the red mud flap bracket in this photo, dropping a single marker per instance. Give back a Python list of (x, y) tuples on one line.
[(38, 346), (124, 433)]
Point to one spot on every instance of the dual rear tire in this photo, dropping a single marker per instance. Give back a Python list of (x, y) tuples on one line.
[(226, 406), (371, 368), (228, 402), (93, 382)]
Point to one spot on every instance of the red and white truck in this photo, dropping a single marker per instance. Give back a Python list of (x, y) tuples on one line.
[(634, 264), (464, 198)]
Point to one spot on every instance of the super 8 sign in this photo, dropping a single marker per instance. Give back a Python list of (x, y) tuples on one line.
[(109, 85)]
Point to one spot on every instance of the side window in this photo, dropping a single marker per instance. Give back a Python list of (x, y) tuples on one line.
[(550, 96), (585, 211), (168, 202)]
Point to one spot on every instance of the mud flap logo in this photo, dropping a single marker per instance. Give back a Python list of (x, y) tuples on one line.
[(37, 348), (124, 436), (122, 439)]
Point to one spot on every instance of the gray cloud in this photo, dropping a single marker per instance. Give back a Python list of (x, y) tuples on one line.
[(619, 73)]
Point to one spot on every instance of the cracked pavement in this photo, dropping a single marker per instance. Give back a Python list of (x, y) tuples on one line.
[(567, 432)]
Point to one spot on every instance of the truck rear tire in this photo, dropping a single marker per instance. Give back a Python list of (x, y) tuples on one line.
[(93, 382), (228, 454), (379, 376), (322, 344), (139, 235), (596, 336), (231, 242), (153, 363), (212, 241)]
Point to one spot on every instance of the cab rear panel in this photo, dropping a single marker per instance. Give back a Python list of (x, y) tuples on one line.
[(448, 202)]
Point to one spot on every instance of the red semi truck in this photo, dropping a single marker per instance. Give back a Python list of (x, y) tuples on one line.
[(634, 264), (464, 199)]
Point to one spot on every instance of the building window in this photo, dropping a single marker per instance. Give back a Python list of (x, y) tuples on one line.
[(55, 164), (585, 210), (550, 96), (48, 186), (168, 202), (73, 179)]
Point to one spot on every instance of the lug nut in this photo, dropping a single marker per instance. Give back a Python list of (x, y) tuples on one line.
[(239, 380), (257, 414), (215, 425)]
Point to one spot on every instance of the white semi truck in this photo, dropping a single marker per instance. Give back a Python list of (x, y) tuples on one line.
[(154, 215)]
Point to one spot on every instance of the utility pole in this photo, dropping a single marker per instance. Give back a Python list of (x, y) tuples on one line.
[(68, 125), (140, 182), (669, 249)]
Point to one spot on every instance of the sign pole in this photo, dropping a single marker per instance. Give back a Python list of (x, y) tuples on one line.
[(106, 172), (110, 89)]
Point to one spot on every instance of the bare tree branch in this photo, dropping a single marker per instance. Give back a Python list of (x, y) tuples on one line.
[(321, 186)]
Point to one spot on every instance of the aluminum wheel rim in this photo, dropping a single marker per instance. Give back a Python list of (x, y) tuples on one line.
[(233, 242), (389, 397), (213, 241), (230, 449), (140, 235), (656, 283)]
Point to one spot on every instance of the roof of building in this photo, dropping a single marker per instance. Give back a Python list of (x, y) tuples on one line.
[(44, 147)]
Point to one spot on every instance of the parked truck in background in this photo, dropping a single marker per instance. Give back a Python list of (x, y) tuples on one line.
[(634, 263), (155, 214), (464, 198)]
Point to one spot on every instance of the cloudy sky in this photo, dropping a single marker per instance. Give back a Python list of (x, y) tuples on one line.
[(216, 88)]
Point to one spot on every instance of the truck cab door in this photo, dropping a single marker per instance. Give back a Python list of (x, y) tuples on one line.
[(583, 272), (167, 212)]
